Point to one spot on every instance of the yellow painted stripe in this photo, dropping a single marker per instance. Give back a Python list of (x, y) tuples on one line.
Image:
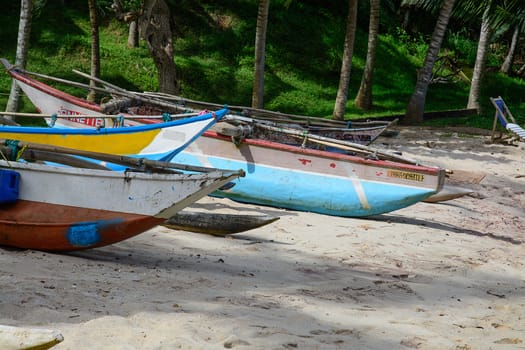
[(114, 143)]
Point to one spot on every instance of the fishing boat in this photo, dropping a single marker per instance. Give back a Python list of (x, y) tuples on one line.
[(64, 208), (73, 110), (313, 180), (316, 173), (357, 131), (159, 141)]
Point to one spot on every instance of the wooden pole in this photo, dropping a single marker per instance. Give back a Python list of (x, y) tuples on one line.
[(344, 145), (125, 116), (138, 163)]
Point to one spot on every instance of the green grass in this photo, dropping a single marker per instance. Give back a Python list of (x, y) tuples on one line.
[(214, 59)]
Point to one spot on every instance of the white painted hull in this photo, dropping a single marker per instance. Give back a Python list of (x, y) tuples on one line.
[(158, 195)]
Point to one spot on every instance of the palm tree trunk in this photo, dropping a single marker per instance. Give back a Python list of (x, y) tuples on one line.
[(133, 34), (521, 71), (416, 106), (346, 65), (24, 30), (156, 31), (481, 59), (95, 48), (260, 53), (363, 99), (506, 67)]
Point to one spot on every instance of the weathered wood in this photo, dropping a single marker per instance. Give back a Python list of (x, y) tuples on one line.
[(343, 145), (133, 162), (40, 115), (217, 224), (123, 92), (7, 121), (59, 158)]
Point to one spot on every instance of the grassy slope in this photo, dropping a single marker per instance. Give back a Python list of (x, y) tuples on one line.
[(214, 56)]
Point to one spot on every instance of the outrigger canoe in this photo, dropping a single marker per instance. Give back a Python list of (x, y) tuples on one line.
[(63, 208), (340, 178), (51, 101), (159, 141)]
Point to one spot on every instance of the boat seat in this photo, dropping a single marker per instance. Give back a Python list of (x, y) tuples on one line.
[(506, 119)]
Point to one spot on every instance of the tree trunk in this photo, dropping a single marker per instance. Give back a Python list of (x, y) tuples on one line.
[(156, 31), (133, 34), (506, 67), (260, 53), (363, 99), (481, 59), (346, 65), (416, 106), (24, 30), (95, 49), (405, 12), (521, 71)]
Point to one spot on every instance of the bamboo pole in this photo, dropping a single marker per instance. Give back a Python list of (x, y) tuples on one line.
[(343, 145), (123, 92), (125, 116), (174, 101)]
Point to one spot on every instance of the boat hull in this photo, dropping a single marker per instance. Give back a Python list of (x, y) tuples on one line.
[(44, 226), (296, 178), (160, 141), (61, 208), (323, 182)]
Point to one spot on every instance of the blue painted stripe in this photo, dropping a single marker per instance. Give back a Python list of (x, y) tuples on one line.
[(108, 131)]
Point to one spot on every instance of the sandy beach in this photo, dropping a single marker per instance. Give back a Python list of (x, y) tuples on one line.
[(445, 275)]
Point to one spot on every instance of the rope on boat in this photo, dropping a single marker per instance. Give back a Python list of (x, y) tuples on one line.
[(14, 152), (166, 117), (305, 138), (53, 119)]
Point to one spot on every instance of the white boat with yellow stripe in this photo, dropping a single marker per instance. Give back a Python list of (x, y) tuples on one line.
[(159, 141)]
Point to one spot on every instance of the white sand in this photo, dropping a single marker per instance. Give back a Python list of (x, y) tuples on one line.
[(431, 276)]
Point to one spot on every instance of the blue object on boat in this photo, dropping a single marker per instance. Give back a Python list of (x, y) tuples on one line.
[(9, 181)]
